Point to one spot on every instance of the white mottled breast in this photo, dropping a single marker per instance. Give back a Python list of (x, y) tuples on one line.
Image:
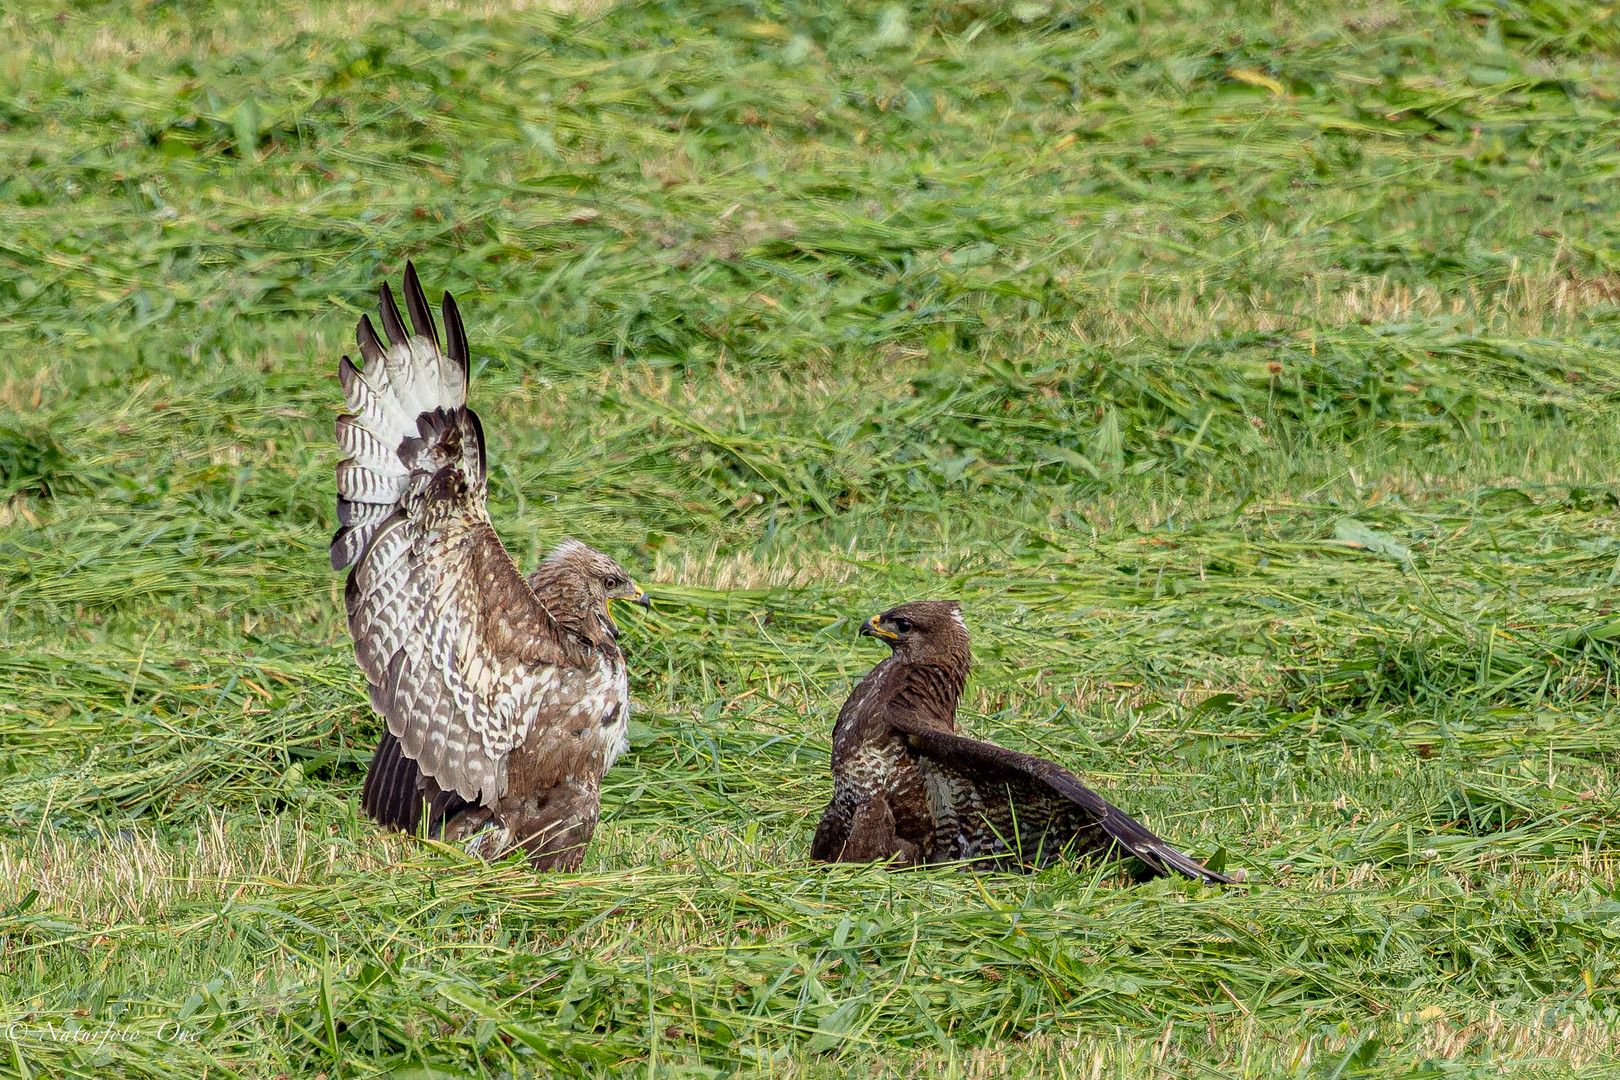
[(605, 706)]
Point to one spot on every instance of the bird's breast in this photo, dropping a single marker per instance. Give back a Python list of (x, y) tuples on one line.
[(613, 709), (867, 767)]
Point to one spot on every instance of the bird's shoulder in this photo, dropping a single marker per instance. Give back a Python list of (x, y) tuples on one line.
[(869, 715), (516, 626)]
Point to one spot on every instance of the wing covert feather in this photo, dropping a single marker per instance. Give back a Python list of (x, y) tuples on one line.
[(991, 801)]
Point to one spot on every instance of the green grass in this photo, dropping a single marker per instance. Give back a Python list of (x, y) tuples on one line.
[(1250, 372)]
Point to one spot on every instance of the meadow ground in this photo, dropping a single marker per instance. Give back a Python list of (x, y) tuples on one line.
[(1247, 370)]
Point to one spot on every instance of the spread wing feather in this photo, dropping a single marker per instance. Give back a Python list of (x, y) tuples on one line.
[(992, 803), (462, 659)]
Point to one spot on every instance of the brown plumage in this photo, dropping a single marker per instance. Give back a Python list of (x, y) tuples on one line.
[(504, 698), (906, 787)]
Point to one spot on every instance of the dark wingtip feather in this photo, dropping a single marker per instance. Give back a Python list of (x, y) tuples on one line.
[(398, 797), (416, 304), (1160, 857), (1193, 868), (381, 766), (340, 549), (351, 595), (455, 334), (371, 349), (347, 374), (478, 430), (392, 324)]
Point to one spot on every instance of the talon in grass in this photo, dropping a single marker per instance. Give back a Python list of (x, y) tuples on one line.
[(907, 787), (505, 698)]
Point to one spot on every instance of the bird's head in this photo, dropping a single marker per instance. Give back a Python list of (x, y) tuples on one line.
[(923, 631), (592, 577), (604, 579)]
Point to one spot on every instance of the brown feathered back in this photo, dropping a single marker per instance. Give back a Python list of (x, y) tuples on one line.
[(907, 787)]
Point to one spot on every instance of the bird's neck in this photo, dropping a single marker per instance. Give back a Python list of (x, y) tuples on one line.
[(898, 688), (928, 692), (572, 606)]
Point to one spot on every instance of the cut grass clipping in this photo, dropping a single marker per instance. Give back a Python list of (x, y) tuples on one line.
[(1249, 372)]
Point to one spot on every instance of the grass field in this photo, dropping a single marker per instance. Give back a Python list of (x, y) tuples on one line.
[(1250, 372)]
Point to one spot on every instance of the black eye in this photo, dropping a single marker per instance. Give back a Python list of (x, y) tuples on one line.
[(903, 625), (612, 582)]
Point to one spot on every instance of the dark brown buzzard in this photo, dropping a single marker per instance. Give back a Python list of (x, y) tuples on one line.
[(907, 787), (504, 698)]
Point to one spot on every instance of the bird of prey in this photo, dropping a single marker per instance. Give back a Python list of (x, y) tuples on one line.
[(504, 698), (907, 788)]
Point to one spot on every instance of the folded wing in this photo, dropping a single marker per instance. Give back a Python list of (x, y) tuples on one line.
[(993, 804)]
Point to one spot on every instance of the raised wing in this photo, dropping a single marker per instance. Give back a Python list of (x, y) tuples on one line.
[(401, 383), (996, 804), (460, 656)]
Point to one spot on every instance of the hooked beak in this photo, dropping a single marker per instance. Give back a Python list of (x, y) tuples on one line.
[(640, 597), (872, 629)]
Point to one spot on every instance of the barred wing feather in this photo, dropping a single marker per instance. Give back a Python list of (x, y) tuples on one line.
[(997, 805)]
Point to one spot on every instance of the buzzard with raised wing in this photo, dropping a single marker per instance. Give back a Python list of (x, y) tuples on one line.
[(907, 788), (504, 698)]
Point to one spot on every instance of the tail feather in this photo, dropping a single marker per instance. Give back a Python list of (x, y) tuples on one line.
[(409, 377)]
